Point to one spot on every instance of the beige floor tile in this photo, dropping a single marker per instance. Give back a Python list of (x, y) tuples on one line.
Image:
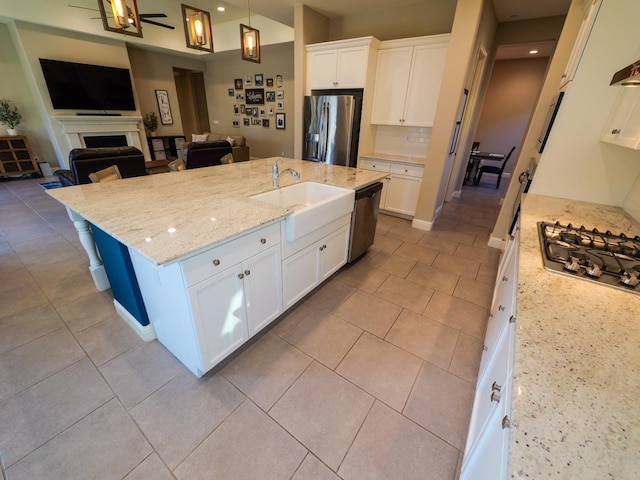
[(390, 221), (473, 229), (36, 415), (406, 233), (474, 292), (360, 275), (87, 311), (150, 468), (413, 454), (381, 369), (441, 403), (324, 412), (460, 266), (15, 331), (247, 445), (419, 253), (445, 223), (405, 293), (105, 444), (466, 358), (139, 372), (438, 243), (486, 255), (331, 295), (70, 288), (434, 278), (27, 365), (429, 340), (398, 266), (314, 469), (37, 252), (324, 336), (385, 243), (108, 339), (181, 414), (21, 298), (458, 237), (457, 313), (487, 275), (266, 369), (290, 319), (369, 312)]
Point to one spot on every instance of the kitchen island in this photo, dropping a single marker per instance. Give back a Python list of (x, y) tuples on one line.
[(576, 391), (213, 265)]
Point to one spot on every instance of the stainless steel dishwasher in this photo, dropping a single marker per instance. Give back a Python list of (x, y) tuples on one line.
[(363, 220)]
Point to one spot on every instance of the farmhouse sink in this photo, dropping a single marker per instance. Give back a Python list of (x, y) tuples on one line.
[(313, 204)]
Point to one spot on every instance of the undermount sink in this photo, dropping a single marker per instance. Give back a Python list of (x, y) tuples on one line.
[(314, 204)]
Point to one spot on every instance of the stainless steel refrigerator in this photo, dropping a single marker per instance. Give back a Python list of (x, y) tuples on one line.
[(332, 129)]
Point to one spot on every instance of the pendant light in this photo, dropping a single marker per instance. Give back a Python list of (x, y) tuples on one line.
[(122, 17), (249, 41), (197, 28)]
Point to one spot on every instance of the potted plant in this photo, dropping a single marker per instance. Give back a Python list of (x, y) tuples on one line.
[(150, 121), (9, 116)]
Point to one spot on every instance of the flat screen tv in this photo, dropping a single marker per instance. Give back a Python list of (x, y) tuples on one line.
[(79, 86)]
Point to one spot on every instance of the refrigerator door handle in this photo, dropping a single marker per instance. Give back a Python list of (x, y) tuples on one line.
[(324, 132)]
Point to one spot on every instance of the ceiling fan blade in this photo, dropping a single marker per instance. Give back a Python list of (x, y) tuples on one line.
[(157, 24), (152, 15), (84, 8)]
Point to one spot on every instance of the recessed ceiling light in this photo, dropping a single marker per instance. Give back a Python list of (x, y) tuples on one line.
[(533, 52), (221, 9)]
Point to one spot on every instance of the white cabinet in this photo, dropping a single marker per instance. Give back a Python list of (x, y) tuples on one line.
[(309, 267), (408, 78), (341, 64), (590, 10), (623, 126), (400, 188)]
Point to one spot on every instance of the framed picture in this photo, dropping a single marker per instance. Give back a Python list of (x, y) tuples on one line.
[(263, 112), (259, 78), (237, 84), (231, 93), (162, 96), (280, 94), (280, 105), (236, 124), (271, 96), (246, 122), (279, 82), (265, 122), (247, 80), (280, 122), (269, 82), (256, 112), (242, 108), (240, 97), (270, 110), (236, 109), (255, 96)]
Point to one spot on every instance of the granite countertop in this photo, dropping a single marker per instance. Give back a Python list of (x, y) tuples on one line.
[(172, 215), (576, 391), (396, 158)]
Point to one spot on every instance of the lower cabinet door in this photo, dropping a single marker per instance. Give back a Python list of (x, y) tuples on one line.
[(219, 315), (333, 252), (489, 460), (402, 194), (262, 288), (299, 274)]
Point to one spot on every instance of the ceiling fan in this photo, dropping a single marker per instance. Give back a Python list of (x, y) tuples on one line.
[(144, 17)]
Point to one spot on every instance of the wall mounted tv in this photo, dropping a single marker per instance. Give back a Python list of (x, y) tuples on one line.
[(79, 86)]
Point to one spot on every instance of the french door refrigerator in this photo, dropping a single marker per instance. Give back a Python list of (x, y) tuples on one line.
[(331, 129)]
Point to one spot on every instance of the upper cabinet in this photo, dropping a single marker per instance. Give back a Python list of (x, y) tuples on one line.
[(590, 10), (623, 126), (408, 77), (340, 64)]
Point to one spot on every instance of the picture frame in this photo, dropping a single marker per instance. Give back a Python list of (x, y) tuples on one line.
[(269, 82), (242, 108), (238, 84), (270, 110), (246, 122), (265, 122), (259, 79), (248, 80), (162, 97), (271, 96), (254, 96), (280, 94), (236, 124), (280, 105), (280, 121), (279, 81), (236, 109), (240, 97), (231, 92)]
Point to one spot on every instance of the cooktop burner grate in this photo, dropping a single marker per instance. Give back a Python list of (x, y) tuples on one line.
[(599, 257)]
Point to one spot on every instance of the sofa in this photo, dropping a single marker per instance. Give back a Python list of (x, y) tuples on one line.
[(83, 161), (206, 154), (239, 148)]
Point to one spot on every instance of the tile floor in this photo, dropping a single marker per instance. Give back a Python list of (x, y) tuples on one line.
[(370, 377)]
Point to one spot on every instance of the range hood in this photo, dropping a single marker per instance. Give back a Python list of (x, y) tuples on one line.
[(629, 76)]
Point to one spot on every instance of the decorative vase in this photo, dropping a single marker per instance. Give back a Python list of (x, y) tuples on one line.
[(12, 132)]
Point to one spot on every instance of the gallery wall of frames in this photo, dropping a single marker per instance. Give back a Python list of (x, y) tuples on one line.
[(258, 101)]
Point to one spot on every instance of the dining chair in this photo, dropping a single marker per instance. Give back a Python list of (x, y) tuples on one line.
[(228, 158), (475, 146), (106, 174), (495, 169), (177, 165)]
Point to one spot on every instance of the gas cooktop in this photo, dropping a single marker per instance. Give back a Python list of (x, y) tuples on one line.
[(599, 257)]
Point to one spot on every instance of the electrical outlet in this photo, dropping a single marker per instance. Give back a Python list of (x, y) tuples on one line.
[(216, 122)]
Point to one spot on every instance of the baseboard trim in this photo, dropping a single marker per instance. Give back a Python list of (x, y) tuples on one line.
[(425, 225), (145, 332), (457, 194), (497, 242)]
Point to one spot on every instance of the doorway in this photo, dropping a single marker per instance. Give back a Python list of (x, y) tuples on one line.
[(192, 101)]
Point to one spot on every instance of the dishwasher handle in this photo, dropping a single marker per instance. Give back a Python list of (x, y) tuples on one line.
[(369, 191)]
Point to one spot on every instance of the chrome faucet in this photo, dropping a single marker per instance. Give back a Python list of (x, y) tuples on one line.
[(276, 174)]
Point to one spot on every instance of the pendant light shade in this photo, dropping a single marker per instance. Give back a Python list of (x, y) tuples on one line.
[(249, 41), (197, 28), (120, 16)]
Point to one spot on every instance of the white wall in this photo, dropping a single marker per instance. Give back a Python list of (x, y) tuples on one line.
[(575, 164)]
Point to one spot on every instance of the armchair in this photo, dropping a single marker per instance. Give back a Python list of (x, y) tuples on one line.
[(206, 154), (84, 161)]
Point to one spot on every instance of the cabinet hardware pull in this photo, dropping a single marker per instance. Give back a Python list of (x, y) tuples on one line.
[(495, 387), (263, 240), (505, 279), (495, 397), (501, 308), (506, 423), (615, 131), (216, 262), (484, 348), (241, 276), (512, 319), (247, 272), (324, 246)]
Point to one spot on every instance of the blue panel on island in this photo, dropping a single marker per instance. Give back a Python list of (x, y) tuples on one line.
[(122, 277)]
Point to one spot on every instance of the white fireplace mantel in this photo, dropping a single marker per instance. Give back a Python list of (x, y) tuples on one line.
[(76, 127)]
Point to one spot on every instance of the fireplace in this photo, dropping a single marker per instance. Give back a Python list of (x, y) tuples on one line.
[(93, 141)]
